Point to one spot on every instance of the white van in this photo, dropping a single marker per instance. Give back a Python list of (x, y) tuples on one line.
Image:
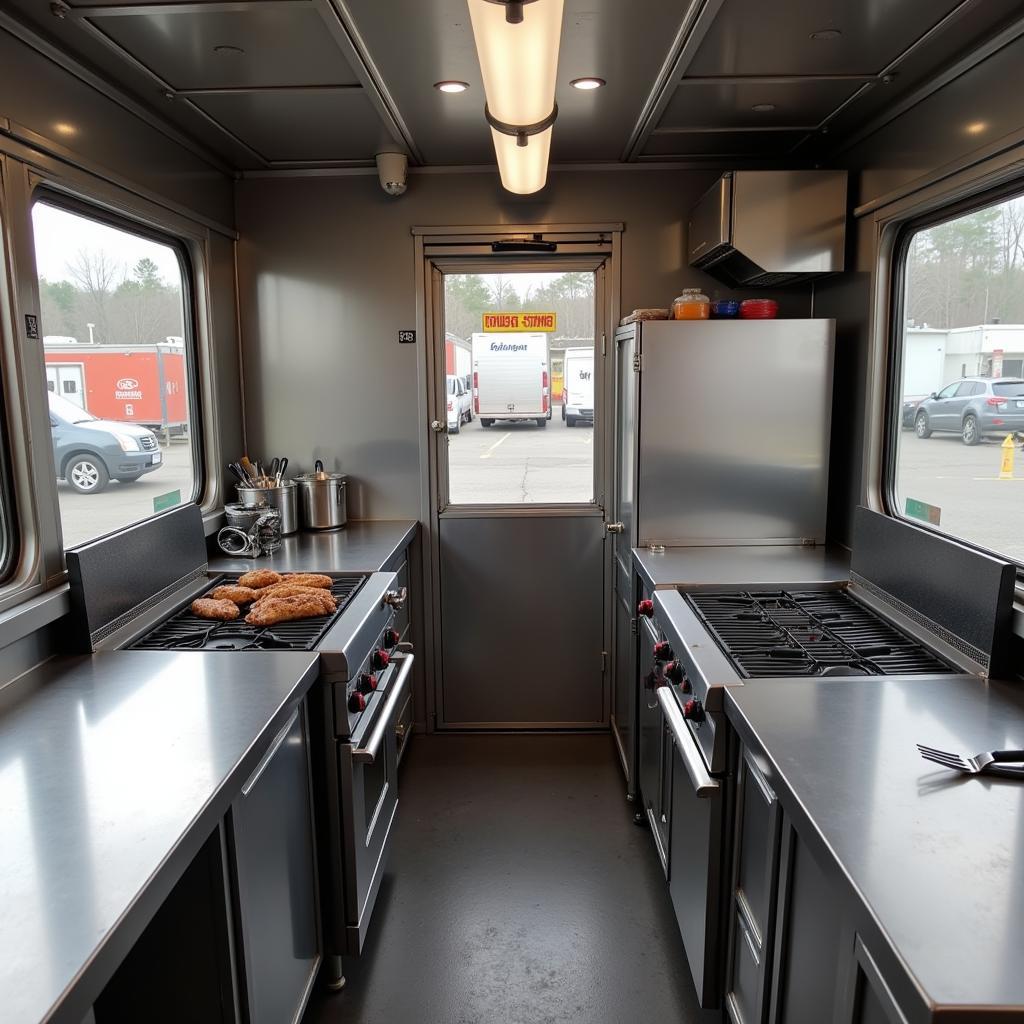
[(510, 377), (578, 386)]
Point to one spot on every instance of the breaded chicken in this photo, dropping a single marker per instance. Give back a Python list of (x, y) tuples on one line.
[(288, 589), (308, 579), (258, 578), (229, 592), (210, 608), (272, 610)]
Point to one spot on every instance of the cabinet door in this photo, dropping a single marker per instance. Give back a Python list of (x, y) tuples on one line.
[(624, 679), (652, 744), (870, 1000), (275, 879), (807, 965)]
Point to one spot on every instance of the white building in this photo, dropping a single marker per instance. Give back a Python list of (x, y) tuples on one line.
[(935, 356)]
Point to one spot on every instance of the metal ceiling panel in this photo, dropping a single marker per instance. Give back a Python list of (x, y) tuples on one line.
[(282, 44), (729, 105), (301, 126), (415, 44), (740, 143), (751, 37)]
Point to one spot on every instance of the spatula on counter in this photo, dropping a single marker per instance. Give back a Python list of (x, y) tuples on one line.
[(993, 762)]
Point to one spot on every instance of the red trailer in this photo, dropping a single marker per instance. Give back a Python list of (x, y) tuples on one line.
[(142, 384), (458, 356)]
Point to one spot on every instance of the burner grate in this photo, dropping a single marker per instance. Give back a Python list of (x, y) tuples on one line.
[(184, 631), (809, 633)]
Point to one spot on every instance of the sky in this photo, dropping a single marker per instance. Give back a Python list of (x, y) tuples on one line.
[(59, 235)]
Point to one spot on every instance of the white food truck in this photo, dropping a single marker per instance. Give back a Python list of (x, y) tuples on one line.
[(578, 386), (511, 378)]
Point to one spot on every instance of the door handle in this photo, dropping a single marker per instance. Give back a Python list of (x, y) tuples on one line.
[(615, 527), (438, 427)]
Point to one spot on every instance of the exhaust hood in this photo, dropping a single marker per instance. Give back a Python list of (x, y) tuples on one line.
[(769, 228)]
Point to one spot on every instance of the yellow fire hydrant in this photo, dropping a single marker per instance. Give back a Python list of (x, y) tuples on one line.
[(1006, 472)]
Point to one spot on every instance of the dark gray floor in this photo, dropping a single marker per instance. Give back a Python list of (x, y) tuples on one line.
[(519, 892)]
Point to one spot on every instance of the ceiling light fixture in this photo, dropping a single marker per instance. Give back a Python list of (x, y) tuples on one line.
[(451, 86), (976, 127), (826, 34), (763, 108), (587, 83), (225, 50), (517, 44)]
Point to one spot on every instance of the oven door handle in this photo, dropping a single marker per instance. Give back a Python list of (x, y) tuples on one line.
[(703, 784), (368, 754)]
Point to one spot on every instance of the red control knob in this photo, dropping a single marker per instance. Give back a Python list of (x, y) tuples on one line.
[(685, 686), (367, 683), (390, 637), (356, 702), (675, 672), (381, 658), (645, 608), (693, 710), (663, 651)]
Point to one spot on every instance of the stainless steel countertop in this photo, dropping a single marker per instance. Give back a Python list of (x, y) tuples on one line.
[(362, 546), (114, 770), (756, 565), (930, 861)]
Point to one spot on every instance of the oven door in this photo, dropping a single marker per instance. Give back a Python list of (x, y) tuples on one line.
[(368, 770)]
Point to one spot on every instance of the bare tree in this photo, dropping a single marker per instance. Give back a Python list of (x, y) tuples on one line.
[(97, 274)]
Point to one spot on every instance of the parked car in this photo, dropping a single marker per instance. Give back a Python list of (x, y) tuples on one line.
[(90, 452), (973, 407), (460, 404), (910, 404), (578, 386)]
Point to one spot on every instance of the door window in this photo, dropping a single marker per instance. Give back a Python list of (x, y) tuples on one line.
[(525, 342), (958, 466), (120, 363)]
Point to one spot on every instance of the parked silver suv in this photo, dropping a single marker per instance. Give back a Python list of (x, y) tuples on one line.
[(974, 407)]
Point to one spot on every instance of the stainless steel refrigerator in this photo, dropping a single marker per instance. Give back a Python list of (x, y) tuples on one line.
[(722, 438)]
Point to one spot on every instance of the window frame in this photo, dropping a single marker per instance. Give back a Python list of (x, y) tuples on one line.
[(51, 194), (905, 230)]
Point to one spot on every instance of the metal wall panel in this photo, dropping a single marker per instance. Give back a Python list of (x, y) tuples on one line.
[(524, 648), (734, 431), (326, 274)]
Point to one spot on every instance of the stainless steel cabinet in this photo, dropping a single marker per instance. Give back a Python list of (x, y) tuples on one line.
[(275, 879)]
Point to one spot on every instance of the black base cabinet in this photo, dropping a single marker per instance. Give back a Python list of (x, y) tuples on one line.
[(794, 954)]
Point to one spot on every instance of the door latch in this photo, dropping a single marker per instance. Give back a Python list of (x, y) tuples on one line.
[(615, 527)]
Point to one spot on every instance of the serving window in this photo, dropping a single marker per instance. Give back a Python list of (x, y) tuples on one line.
[(120, 358), (956, 457)]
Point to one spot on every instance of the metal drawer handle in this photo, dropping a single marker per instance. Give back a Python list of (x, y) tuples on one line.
[(396, 598), (368, 754), (703, 784)]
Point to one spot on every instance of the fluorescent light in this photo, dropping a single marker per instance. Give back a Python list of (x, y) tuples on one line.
[(523, 169), (519, 66), (451, 86), (587, 83)]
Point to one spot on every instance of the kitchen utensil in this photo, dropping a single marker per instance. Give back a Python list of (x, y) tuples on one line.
[(274, 465), (237, 473), (281, 470), (322, 498), (281, 496), (724, 308), (992, 762), (249, 468)]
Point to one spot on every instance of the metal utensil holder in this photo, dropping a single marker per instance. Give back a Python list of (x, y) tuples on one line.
[(252, 530), (282, 497)]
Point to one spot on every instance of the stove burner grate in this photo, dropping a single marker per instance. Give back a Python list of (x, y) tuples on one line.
[(809, 633), (184, 631)]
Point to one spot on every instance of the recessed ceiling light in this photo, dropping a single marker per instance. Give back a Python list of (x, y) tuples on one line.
[(451, 86), (228, 51), (763, 108), (826, 33), (65, 128), (587, 83), (976, 127)]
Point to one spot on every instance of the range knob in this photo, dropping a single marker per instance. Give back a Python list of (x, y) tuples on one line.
[(381, 658), (367, 683), (390, 637), (356, 702), (663, 651), (675, 672), (693, 710), (645, 608)]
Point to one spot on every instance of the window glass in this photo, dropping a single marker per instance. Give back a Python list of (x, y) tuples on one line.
[(119, 364), (959, 452), (522, 431)]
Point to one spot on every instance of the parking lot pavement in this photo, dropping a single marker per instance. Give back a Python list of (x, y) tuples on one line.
[(964, 483), (521, 463), (86, 516)]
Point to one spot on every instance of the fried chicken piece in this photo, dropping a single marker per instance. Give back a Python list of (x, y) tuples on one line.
[(308, 579), (259, 578), (289, 589), (210, 608), (229, 592), (272, 610)]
